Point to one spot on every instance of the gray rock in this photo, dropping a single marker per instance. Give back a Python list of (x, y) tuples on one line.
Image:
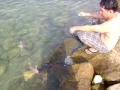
[(68, 60), (114, 87)]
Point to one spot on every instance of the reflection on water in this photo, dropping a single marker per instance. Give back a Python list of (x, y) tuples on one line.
[(31, 29)]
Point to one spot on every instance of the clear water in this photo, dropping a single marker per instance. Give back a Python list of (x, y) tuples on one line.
[(31, 29)]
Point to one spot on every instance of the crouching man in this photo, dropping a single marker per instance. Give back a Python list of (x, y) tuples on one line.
[(102, 37)]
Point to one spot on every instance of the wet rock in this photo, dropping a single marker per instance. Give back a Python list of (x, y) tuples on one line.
[(114, 87), (69, 86), (71, 45), (79, 78)]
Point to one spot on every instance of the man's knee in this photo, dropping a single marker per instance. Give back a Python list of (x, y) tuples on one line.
[(81, 35)]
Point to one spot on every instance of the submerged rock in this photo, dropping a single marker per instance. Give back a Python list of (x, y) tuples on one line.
[(27, 75), (2, 69), (8, 43), (3, 66), (13, 53), (27, 81)]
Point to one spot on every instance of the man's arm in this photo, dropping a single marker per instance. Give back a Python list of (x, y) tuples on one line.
[(101, 28), (94, 15)]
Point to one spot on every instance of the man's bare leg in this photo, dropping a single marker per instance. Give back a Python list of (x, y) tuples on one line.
[(90, 50)]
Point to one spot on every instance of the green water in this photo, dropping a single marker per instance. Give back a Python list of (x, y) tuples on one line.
[(31, 29)]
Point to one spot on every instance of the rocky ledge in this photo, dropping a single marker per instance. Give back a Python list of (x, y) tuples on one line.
[(86, 66)]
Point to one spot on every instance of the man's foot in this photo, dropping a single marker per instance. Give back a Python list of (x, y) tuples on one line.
[(90, 50)]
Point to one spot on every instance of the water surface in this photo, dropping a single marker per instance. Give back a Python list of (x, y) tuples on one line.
[(31, 29)]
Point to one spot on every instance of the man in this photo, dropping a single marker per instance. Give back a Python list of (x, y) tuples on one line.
[(103, 37)]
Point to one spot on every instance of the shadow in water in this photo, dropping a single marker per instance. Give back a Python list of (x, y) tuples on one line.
[(61, 76), (58, 71)]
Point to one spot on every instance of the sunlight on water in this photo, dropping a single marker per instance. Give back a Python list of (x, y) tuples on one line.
[(31, 29)]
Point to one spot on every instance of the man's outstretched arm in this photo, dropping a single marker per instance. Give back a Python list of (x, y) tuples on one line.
[(101, 28), (94, 15)]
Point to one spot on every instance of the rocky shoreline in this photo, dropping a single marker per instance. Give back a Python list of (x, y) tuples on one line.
[(86, 67), (80, 75)]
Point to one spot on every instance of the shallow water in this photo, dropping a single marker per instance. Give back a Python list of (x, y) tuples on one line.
[(31, 29)]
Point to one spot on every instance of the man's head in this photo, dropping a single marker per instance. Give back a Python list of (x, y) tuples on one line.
[(108, 7), (109, 4)]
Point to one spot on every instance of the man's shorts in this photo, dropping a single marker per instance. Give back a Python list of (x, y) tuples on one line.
[(93, 40)]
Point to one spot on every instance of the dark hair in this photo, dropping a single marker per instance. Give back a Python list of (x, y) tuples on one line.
[(109, 4)]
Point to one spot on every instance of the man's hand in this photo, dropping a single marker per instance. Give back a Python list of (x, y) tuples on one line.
[(72, 30), (83, 14)]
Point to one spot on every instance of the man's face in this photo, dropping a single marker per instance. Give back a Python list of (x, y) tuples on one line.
[(105, 13)]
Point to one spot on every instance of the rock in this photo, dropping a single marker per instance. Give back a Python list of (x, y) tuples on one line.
[(85, 71), (68, 77), (119, 4), (2, 69), (15, 84), (97, 79), (3, 66), (114, 87), (27, 75), (68, 60), (79, 78), (28, 44), (98, 87), (71, 45), (79, 75), (107, 65), (35, 82), (8, 43), (4, 55), (60, 21), (84, 76), (13, 53)]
